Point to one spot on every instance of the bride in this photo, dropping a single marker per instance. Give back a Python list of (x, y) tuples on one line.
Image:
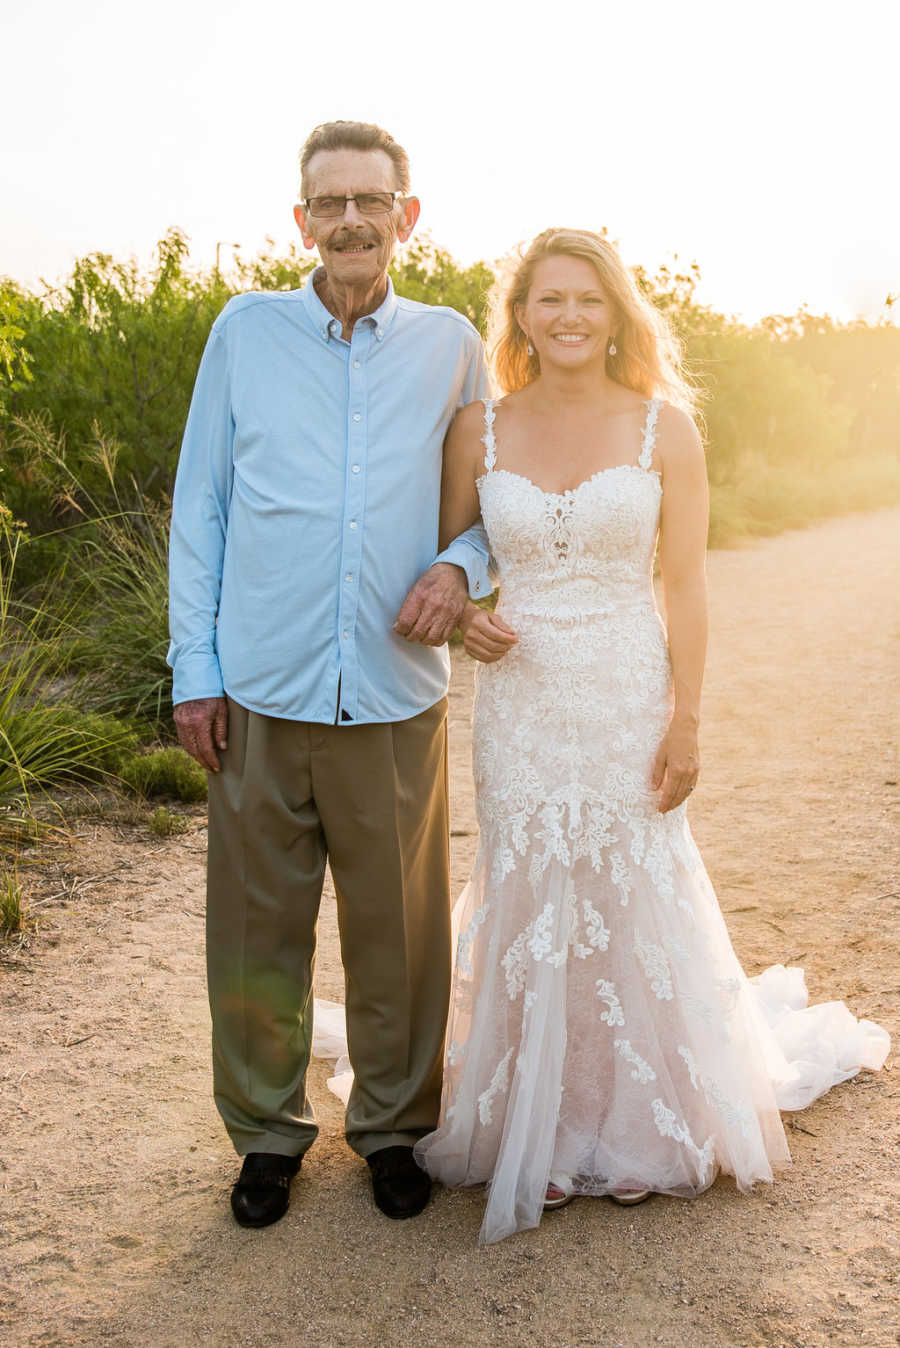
[(603, 1039)]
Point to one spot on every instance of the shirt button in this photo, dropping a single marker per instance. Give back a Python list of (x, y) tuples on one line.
[(346, 635), (355, 468), (477, 586), (353, 524), (356, 365), (349, 575), (357, 417)]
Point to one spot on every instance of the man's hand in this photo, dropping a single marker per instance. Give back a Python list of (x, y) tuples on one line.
[(202, 727), (434, 605)]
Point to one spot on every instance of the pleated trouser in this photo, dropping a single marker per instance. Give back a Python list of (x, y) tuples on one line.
[(372, 799)]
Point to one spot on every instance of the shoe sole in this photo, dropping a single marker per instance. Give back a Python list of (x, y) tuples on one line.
[(551, 1204), (257, 1226), (629, 1200), (401, 1216)]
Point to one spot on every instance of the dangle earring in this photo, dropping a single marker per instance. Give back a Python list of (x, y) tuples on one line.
[(529, 348), (612, 348)]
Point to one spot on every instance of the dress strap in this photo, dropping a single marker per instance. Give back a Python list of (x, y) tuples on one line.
[(648, 435), (490, 446)]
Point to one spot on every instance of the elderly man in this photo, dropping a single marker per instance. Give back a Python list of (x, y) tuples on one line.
[(308, 674)]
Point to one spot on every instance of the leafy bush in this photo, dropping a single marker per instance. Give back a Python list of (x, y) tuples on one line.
[(429, 274), (116, 350), (775, 497), (164, 824), (15, 362), (164, 772)]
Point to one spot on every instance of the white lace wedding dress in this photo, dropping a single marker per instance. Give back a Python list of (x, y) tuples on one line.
[(601, 1025)]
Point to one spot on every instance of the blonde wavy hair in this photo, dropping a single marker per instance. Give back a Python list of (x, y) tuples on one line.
[(648, 355)]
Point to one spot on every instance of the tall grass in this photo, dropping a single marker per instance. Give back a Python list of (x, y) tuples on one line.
[(13, 918), (766, 498), (115, 569), (45, 740)]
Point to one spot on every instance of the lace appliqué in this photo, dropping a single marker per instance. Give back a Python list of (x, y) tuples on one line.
[(641, 1070), (535, 942), (595, 928), (668, 1126), (466, 940), (490, 447), (499, 1082), (733, 1116), (613, 1015), (656, 967), (648, 438)]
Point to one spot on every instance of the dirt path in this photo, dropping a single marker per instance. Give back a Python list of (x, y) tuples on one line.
[(115, 1172)]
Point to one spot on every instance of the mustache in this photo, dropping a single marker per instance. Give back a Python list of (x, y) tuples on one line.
[(341, 240)]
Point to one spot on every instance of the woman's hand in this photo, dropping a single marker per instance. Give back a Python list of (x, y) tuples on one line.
[(677, 765), (486, 636)]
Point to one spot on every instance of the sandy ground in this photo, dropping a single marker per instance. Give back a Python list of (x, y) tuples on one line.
[(115, 1171)]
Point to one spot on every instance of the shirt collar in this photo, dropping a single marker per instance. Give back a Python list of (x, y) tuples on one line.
[(328, 326)]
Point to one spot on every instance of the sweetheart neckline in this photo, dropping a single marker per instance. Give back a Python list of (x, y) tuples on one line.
[(572, 491)]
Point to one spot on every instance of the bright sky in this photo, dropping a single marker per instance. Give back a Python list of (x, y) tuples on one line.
[(757, 138)]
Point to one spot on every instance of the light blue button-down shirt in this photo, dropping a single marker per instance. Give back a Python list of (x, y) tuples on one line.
[(306, 505)]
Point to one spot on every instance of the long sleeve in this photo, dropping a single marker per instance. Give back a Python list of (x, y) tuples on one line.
[(297, 525), (199, 522), (470, 550)]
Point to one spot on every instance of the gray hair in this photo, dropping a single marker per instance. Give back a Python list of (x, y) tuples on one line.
[(354, 136)]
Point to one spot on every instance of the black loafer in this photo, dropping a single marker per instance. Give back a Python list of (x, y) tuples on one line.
[(263, 1190), (401, 1189)]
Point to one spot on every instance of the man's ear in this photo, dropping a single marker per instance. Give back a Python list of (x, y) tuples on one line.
[(410, 208), (303, 226)]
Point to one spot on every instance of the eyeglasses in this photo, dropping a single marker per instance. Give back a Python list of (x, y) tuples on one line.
[(367, 203)]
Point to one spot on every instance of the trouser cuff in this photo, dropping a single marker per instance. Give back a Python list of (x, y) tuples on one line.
[(364, 1144)]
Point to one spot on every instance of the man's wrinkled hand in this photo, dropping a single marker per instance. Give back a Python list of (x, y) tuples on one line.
[(434, 605), (202, 726)]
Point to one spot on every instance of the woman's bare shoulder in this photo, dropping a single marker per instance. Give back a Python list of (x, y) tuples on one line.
[(678, 438), (470, 417)]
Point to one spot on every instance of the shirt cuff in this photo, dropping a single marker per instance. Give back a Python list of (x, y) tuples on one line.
[(195, 674), (475, 564)]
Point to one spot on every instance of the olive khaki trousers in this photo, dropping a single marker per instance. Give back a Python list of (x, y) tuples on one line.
[(372, 799)]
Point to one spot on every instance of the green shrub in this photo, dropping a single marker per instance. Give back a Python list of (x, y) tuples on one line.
[(772, 498), (165, 772), (429, 274), (117, 348), (164, 824), (43, 745)]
